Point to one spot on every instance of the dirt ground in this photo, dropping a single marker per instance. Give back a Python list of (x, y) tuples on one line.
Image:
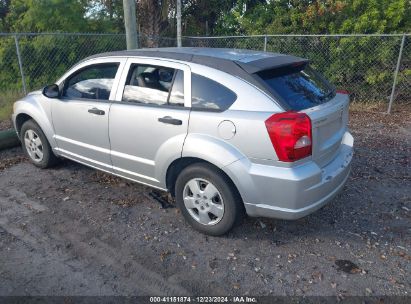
[(6, 124), (72, 230)]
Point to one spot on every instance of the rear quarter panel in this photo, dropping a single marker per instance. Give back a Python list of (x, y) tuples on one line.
[(249, 134), (247, 115)]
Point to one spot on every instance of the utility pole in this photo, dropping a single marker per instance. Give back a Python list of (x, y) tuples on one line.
[(130, 23), (179, 23)]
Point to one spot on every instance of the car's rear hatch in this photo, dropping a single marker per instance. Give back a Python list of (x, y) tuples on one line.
[(329, 123), (297, 87)]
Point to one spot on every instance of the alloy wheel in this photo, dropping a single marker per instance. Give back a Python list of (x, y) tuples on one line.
[(203, 201), (33, 145)]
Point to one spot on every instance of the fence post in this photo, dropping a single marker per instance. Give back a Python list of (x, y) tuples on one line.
[(265, 43), (396, 74), (23, 79), (178, 15)]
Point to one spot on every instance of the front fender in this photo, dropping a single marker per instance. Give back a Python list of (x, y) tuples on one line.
[(39, 109)]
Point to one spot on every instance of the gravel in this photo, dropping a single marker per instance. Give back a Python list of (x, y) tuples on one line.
[(71, 230)]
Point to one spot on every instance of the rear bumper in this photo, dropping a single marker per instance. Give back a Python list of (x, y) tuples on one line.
[(291, 193)]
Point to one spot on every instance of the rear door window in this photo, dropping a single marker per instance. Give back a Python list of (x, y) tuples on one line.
[(148, 84), (299, 87), (207, 94)]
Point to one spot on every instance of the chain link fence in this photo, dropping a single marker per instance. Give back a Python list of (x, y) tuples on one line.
[(373, 68), (404, 72), (365, 65), (30, 61)]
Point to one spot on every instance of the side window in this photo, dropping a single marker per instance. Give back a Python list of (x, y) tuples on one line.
[(154, 85), (208, 94), (92, 82)]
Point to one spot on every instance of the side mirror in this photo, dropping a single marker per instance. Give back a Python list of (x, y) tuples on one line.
[(51, 91)]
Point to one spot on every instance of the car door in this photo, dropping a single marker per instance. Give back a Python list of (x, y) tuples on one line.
[(148, 122), (80, 115)]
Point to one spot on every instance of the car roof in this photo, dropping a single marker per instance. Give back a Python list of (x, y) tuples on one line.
[(250, 61), (244, 64), (240, 55)]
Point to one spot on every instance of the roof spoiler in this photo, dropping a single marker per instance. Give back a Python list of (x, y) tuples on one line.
[(271, 63)]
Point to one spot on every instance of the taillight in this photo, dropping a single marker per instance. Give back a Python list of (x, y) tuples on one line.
[(290, 134), (345, 92)]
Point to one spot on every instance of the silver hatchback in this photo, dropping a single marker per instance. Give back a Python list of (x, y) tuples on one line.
[(226, 132)]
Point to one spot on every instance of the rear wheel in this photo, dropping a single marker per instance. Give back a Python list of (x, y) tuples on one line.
[(36, 146), (208, 199)]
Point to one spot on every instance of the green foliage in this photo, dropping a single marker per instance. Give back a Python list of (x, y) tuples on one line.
[(7, 99), (356, 63), (46, 15), (320, 16), (74, 16), (202, 17), (105, 15), (47, 57)]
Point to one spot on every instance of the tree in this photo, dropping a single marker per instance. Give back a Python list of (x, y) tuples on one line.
[(4, 10), (106, 15), (319, 16), (153, 16), (358, 63), (46, 16), (202, 17)]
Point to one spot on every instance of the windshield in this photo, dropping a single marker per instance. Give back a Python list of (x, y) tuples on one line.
[(299, 87)]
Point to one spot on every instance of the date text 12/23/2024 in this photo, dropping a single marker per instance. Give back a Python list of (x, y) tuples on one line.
[(233, 299)]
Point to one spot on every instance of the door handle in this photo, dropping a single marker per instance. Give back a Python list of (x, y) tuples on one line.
[(170, 120), (96, 111)]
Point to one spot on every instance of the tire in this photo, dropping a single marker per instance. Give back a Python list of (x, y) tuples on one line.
[(194, 197), (36, 145)]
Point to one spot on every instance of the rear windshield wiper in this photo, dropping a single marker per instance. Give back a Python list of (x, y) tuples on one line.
[(328, 96)]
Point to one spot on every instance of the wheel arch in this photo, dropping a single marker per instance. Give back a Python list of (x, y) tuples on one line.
[(27, 110), (21, 118), (44, 124), (202, 148), (178, 165)]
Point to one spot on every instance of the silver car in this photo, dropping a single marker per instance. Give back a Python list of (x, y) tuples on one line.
[(227, 132)]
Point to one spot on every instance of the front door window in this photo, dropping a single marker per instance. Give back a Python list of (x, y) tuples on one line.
[(92, 82)]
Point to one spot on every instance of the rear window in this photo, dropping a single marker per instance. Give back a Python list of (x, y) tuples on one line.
[(299, 87)]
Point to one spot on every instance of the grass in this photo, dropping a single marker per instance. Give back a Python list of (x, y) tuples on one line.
[(367, 106), (379, 107), (7, 99)]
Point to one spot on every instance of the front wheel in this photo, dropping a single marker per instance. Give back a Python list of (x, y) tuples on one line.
[(208, 199), (36, 146)]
